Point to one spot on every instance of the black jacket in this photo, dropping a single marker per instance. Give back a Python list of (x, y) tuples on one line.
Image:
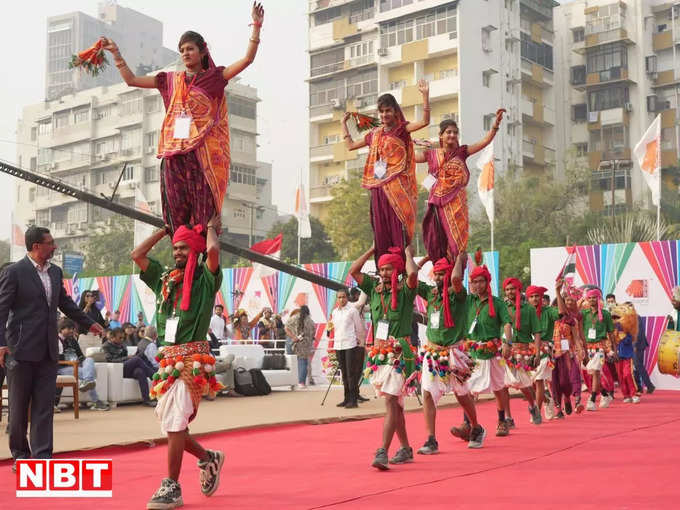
[(71, 344), (28, 323)]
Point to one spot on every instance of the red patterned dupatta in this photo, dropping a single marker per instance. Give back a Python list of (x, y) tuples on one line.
[(208, 134)]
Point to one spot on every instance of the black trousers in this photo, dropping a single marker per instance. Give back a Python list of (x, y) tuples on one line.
[(31, 383), (346, 364), (137, 368), (359, 357)]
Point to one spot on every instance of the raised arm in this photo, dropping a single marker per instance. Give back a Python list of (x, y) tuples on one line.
[(139, 253), (424, 89), (561, 306), (459, 267), (476, 147), (411, 268), (349, 143), (421, 157), (213, 243), (355, 268), (145, 82), (238, 66)]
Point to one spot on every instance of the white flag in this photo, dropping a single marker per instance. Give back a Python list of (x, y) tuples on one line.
[(17, 247), (302, 213), (142, 230), (648, 154), (485, 182)]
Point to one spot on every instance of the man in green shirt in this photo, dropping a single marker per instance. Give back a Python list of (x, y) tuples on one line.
[(547, 316), (526, 344), (391, 360), (598, 330), (184, 297), (487, 316), (442, 360)]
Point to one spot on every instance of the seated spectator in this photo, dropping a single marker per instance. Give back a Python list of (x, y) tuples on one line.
[(147, 348), (88, 304), (134, 367), (218, 328), (140, 321), (266, 329), (242, 327), (130, 338), (141, 332), (115, 320), (70, 351)]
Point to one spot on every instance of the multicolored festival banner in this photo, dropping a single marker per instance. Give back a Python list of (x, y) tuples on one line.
[(642, 273)]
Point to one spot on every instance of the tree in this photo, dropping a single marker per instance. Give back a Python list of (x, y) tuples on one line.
[(349, 222), (107, 250), (4, 251), (317, 248)]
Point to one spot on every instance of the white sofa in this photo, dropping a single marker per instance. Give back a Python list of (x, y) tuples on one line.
[(252, 355), (102, 380), (120, 389)]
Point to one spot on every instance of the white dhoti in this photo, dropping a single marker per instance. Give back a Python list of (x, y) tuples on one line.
[(544, 370), (175, 408), (387, 381), (488, 376)]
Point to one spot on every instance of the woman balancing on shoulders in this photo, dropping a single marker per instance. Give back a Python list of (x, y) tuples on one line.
[(194, 137), (390, 171), (445, 225)]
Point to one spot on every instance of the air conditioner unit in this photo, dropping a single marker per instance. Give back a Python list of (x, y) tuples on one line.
[(628, 107), (52, 166), (335, 103), (382, 52)]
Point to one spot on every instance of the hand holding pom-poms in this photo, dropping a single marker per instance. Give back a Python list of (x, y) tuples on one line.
[(91, 60)]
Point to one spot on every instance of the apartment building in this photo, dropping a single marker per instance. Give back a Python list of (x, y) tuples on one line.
[(478, 55), (140, 39), (97, 137), (617, 69)]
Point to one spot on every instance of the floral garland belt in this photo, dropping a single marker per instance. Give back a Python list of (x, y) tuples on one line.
[(596, 348), (524, 356), (191, 362), (447, 362), (490, 348)]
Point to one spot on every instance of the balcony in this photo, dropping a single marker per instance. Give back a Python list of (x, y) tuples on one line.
[(363, 60), (528, 147), (320, 193), (321, 153), (527, 107), (611, 75), (606, 37), (542, 7), (537, 74), (327, 69)]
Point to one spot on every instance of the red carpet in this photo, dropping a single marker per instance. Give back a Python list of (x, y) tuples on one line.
[(622, 457)]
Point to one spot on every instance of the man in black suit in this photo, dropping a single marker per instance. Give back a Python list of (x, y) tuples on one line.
[(31, 290)]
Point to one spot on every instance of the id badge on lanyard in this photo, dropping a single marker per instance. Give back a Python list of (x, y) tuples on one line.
[(472, 327), (592, 334), (434, 319), (564, 344), (182, 126), (429, 181), (171, 329), (380, 169), (382, 329)]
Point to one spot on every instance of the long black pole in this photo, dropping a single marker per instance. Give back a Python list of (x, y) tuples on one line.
[(156, 221)]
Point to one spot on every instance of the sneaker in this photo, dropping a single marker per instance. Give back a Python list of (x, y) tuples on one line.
[(605, 401), (579, 406), (477, 435), (650, 390), (380, 460), (168, 495), (362, 399), (502, 429), (101, 406), (535, 412), (627, 400), (403, 455), (635, 399), (462, 432), (567, 406), (430, 447), (87, 385), (510, 422), (149, 403), (210, 472), (352, 404), (341, 404), (559, 416), (57, 409), (549, 410), (591, 406)]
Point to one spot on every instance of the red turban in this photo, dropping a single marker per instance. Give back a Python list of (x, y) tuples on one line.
[(518, 298), (483, 271), (394, 258), (444, 265), (596, 293), (196, 242), (534, 289)]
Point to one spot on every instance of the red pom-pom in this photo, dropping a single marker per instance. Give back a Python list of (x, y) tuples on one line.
[(171, 379), (197, 357), (163, 363), (199, 380), (479, 256)]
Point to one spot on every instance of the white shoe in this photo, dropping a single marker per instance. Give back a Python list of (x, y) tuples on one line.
[(627, 400), (549, 409), (635, 399), (605, 401), (590, 406)]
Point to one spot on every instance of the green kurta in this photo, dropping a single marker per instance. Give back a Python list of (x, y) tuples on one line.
[(194, 323), (401, 319), (549, 315), (457, 304), (606, 325), (528, 323), (485, 327)]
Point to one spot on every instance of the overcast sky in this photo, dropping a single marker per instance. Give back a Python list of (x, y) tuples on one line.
[(278, 73)]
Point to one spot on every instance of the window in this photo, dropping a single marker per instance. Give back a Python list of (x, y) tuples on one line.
[(77, 213), (128, 173), (327, 15), (34, 163), (31, 194), (579, 112), (323, 92), (360, 11), (608, 61), (243, 142), (329, 139), (242, 107), (106, 146), (152, 174), (243, 175), (131, 139), (34, 134), (81, 115), (328, 62), (441, 21), (386, 5), (100, 178), (104, 112), (130, 104), (605, 18), (578, 34), (611, 139), (360, 53), (539, 53), (153, 104), (363, 83), (581, 149), (486, 79), (45, 128), (240, 213), (605, 99), (60, 120), (578, 75), (151, 139), (488, 121), (42, 217)]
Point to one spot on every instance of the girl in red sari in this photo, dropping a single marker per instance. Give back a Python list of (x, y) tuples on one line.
[(390, 171), (194, 137), (446, 224)]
